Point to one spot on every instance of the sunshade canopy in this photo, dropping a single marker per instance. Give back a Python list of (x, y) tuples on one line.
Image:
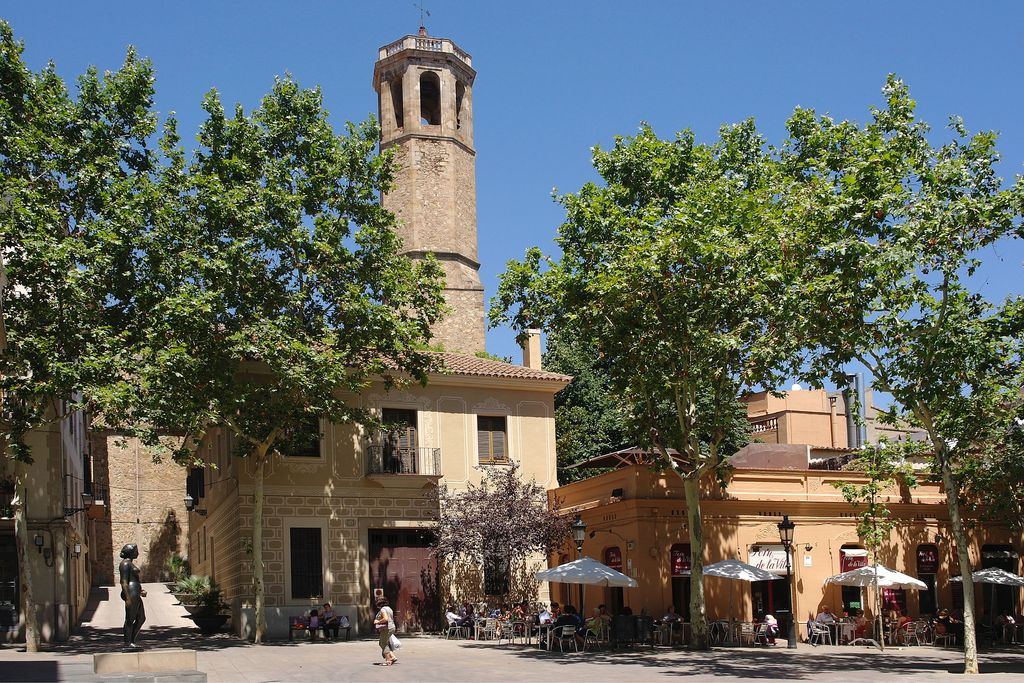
[(994, 575), (586, 571), (625, 457), (740, 571), (887, 578)]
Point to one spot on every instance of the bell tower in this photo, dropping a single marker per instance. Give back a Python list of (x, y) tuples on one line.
[(425, 104)]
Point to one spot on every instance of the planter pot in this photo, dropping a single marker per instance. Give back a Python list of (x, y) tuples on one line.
[(209, 624), (200, 610), (185, 598), (170, 586)]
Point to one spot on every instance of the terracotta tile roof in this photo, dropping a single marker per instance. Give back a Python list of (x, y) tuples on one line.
[(458, 364)]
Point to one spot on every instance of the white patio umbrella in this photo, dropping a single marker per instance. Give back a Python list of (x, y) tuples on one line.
[(994, 575), (887, 578), (587, 571), (738, 571), (876, 576)]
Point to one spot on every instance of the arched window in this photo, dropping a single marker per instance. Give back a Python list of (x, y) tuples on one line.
[(430, 99)]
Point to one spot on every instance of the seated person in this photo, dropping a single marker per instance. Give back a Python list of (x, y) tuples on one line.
[(568, 617), (452, 617), (605, 617), (556, 611), (329, 621), (595, 624), (314, 623), (671, 615), (861, 624), (902, 619), (825, 616)]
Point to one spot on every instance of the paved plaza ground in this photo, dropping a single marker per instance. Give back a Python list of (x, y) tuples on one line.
[(226, 659)]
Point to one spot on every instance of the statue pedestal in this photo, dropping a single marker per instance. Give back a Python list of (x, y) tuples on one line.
[(150, 661)]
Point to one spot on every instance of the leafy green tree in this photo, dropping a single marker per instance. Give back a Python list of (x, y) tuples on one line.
[(676, 272), (272, 287), (885, 465), (908, 221), (589, 419), (77, 184)]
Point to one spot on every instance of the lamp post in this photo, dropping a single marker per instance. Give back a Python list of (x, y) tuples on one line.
[(786, 536), (579, 532)]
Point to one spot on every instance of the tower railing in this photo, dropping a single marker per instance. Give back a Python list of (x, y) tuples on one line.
[(425, 43)]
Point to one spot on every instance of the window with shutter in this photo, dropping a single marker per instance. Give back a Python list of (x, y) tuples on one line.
[(492, 443), (400, 425)]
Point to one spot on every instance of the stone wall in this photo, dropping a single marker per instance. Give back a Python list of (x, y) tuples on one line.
[(145, 508)]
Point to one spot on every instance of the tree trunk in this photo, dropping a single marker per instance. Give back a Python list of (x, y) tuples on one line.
[(960, 538), (257, 550), (27, 603), (698, 617)]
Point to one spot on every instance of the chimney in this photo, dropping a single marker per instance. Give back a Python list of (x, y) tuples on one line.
[(530, 341)]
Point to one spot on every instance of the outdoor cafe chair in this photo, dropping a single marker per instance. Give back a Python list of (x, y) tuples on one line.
[(489, 630), (747, 632), (761, 634), (944, 637), (819, 632), (568, 633), (453, 630)]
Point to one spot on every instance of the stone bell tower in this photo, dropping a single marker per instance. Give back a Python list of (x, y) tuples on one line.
[(425, 100)]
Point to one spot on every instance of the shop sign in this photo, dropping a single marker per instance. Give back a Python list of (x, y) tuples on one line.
[(927, 559), (771, 558), (852, 558), (681, 559), (613, 558)]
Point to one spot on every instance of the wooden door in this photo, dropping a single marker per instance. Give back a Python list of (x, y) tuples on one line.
[(402, 566)]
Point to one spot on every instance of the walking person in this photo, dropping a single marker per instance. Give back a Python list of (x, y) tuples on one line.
[(385, 623)]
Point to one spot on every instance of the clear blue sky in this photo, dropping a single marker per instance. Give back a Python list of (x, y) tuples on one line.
[(555, 78)]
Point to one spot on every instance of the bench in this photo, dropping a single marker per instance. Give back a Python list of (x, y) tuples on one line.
[(302, 624)]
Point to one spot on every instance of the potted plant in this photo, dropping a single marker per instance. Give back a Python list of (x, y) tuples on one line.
[(188, 589), (178, 568), (203, 604)]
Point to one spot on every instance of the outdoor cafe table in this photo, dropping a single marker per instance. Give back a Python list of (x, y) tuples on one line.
[(545, 633)]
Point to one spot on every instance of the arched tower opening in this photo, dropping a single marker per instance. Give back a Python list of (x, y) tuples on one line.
[(430, 99), (396, 102), (460, 94)]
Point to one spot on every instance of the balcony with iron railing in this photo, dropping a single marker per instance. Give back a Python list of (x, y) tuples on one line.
[(386, 459), (427, 43)]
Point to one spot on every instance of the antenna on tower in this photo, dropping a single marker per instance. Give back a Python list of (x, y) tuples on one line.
[(424, 12)]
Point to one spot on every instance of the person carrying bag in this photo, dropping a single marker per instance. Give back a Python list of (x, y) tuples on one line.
[(385, 624)]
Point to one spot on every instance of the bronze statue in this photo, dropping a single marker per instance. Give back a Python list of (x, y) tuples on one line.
[(132, 594)]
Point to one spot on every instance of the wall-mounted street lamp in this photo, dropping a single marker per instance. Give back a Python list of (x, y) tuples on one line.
[(76, 549), (190, 505), (786, 528), (38, 541), (87, 501)]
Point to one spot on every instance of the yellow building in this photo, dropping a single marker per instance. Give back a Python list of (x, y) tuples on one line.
[(346, 518)]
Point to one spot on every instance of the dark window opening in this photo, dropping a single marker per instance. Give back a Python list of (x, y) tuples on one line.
[(307, 563), (496, 575), (491, 439), (996, 599), (460, 93), (430, 99), (927, 566), (397, 102), (195, 483), (302, 441)]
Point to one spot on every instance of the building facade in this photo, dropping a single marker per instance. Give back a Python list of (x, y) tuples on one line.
[(59, 519), (349, 518), (637, 523)]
